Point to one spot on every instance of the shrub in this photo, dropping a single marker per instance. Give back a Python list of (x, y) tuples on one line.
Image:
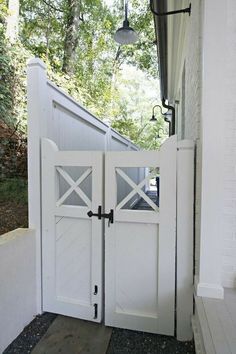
[(13, 189)]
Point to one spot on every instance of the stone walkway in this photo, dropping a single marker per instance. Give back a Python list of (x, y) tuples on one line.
[(69, 335)]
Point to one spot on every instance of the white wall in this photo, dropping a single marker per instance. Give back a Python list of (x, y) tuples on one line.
[(210, 119), (229, 131), (216, 120), (17, 283), (193, 79), (188, 93)]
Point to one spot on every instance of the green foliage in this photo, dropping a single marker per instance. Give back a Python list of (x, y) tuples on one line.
[(6, 83), (13, 189), (98, 81), (13, 82), (133, 110), (142, 54), (146, 136)]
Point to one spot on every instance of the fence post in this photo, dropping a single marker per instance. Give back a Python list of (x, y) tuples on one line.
[(37, 128), (108, 139), (185, 200)]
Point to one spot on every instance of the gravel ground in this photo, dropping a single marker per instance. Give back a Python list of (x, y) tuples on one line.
[(132, 342), (31, 335), (122, 341)]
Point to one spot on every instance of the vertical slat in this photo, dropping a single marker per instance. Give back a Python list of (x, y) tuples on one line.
[(49, 189), (37, 106), (167, 234), (184, 262), (97, 236)]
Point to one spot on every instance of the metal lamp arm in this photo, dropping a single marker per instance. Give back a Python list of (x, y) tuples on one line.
[(186, 10), (153, 108)]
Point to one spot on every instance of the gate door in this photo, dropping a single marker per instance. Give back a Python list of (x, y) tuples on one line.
[(71, 241), (140, 244)]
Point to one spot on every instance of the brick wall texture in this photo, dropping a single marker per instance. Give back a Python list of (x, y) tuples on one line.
[(193, 107), (229, 168), (193, 77)]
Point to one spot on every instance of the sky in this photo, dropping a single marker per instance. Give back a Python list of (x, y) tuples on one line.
[(108, 2)]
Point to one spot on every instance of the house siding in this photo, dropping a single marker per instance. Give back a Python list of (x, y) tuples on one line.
[(192, 127), (192, 124), (229, 203)]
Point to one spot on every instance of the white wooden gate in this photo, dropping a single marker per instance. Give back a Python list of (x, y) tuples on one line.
[(71, 241), (139, 244)]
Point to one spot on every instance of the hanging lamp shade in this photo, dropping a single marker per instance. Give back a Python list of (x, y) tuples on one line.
[(126, 34), (153, 119)]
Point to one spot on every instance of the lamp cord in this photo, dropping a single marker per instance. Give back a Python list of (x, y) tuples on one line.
[(126, 10)]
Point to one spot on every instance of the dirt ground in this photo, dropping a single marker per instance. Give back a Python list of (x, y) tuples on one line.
[(12, 216)]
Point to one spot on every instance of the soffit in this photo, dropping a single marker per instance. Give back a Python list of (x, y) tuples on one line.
[(176, 32), (170, 32)]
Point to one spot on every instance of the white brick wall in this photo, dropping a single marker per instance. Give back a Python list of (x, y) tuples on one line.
[(193, 77), (193, 105), (229, 203)]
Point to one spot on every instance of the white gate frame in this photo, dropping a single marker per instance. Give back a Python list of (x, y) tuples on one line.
[(184, 238)]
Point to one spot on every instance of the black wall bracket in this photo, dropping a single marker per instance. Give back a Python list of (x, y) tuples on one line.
[(186, 10)]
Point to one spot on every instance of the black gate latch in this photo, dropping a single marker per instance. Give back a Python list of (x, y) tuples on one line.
[(109, 216)]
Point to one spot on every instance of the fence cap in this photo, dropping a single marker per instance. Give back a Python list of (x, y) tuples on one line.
[(185, 144), (36, 62)]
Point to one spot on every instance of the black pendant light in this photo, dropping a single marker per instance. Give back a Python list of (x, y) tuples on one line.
[(126, 34)]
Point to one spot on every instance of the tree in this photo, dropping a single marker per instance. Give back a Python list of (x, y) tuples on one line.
[(75, 39), (73, 19), (138, 93), (13, 20)]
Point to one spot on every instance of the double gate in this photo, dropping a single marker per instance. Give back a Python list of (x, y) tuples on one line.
[(127, 276)]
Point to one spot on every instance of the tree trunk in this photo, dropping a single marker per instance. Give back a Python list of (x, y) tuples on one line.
[(71, 37), (13, 20)]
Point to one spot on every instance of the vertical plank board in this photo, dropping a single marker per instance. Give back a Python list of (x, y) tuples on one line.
[(167, 233), (37, 105), (184, 262)]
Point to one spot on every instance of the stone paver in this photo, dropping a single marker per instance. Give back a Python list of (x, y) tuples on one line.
[(68, 335)]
